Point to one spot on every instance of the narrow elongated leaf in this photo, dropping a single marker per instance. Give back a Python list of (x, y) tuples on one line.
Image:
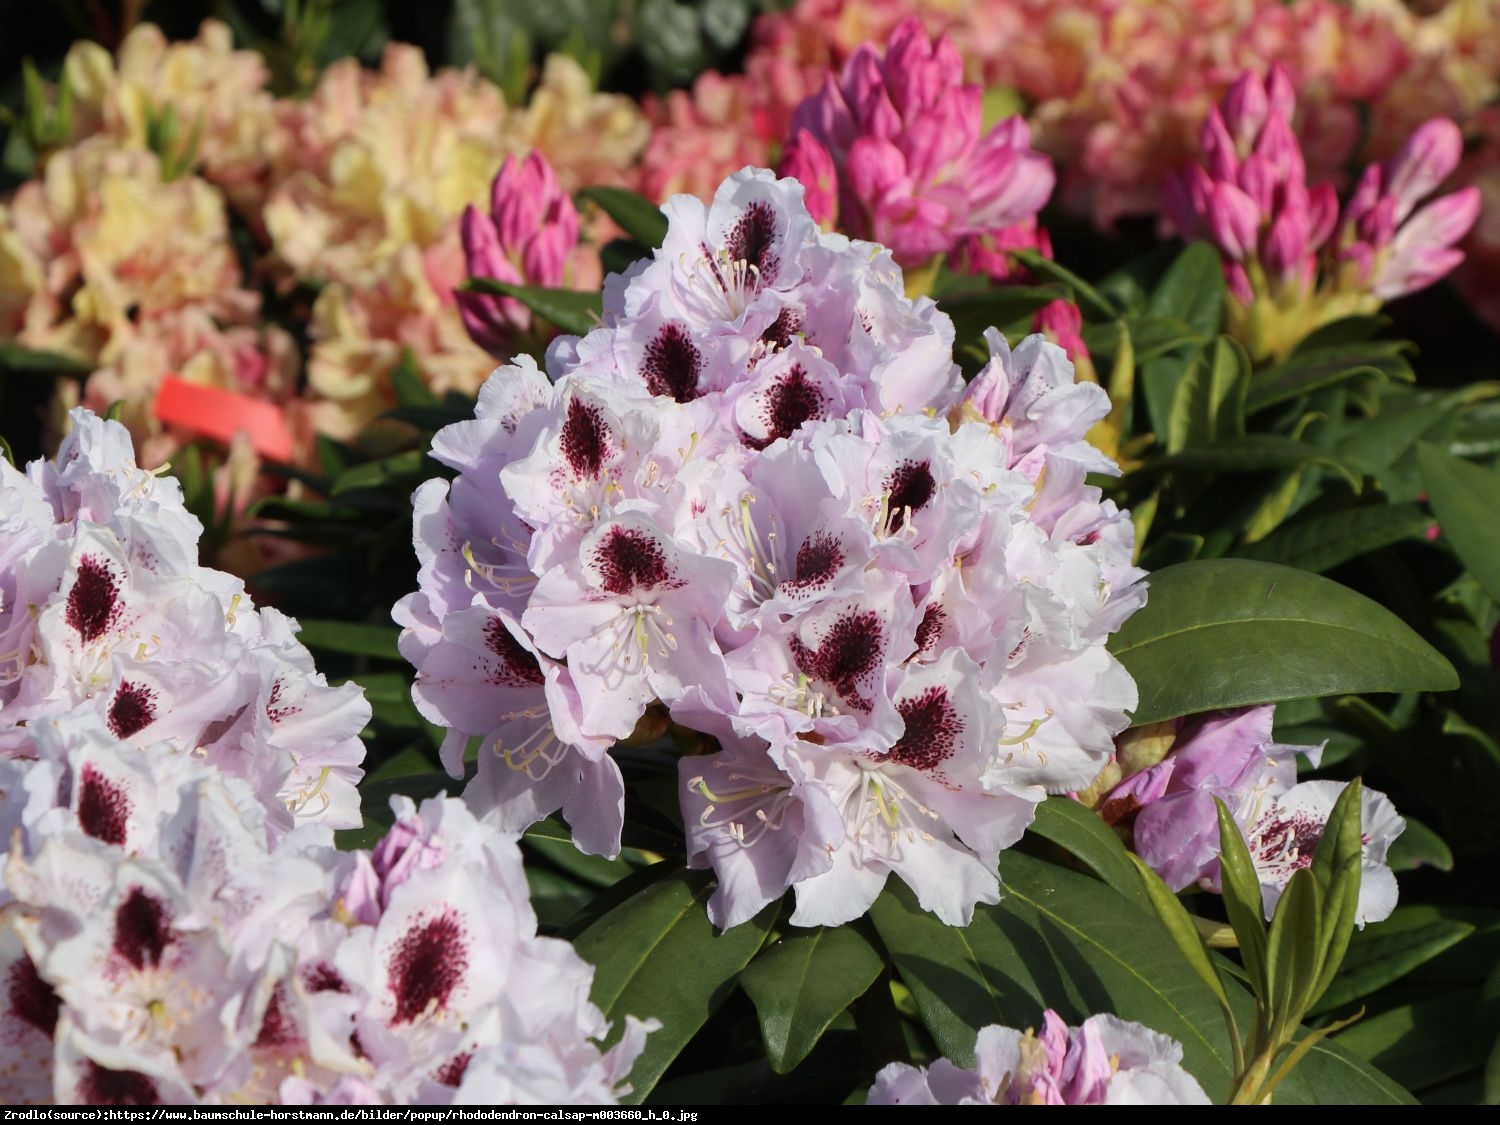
[(1321, 542), (574, 311), (1209, 406), (1234, 632), (1418, 846), (1252, 453), (1192, 290), (1293, 948), (1465, 498), (1093, 304), (354, 637), (392, 471), (1150, 336), (1387, 951), (1179, 925), (800, 984), (1081, 833), (636, 215), (18, 358), (657, 955), (1242, 898), (1314, 369)]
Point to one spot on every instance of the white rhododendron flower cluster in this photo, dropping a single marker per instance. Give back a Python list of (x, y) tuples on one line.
[(176, 926), (759, 499), (104, 610), (1103, 1061)]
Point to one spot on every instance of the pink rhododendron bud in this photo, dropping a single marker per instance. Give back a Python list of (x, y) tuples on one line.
[(526, 239), (1104, 1061), (915, 170), (808, 162)]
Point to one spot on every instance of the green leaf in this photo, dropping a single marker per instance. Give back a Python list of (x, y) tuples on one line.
[(19, 358), (1465, 498), (972, 313), (1337, 867), (1242, 898), (395, 471), (1318, 368), (1252, 453), (657, 955), (1321, 542), (1386, 951), (802, 982), (1419, 846), (1149, 336), (636, 215), (1423, 1043), (1192, 290), (1294, 953), (1090, 301), (407, 383), (1082, 834), (355, 637), (571, 310), (1234, 632), (1209, 405), (1179, 925)]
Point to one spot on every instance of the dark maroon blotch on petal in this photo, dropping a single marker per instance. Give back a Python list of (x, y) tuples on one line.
[(30, 998), (94, 601), (932, 730), (98, 1086), (672, 364), (792, 400), (629, 560), (428, 964), (143, 929), (132, 709), (585, 438), (103, 807), (518, 666), (850, 653), (910, 488)]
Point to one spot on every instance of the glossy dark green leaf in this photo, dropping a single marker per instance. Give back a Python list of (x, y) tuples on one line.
[(1252, 453), (1321, 542), (1318, 368), (1209, 406), (1234, 632), (574, 311), (355, 637), (1192, 290), (1423, 1043), (1082, 834), (1418, 846), (1293, 952), (636, 215), (1386, 951), (1466, 499), (801, 983), (657, 955), (1150, 336)]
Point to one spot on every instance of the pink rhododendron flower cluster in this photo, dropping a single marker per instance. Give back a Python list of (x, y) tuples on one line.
[(105, 611), (1292, 260), (1165, 779), (759, 500), (895, 152), (1103, 1061)]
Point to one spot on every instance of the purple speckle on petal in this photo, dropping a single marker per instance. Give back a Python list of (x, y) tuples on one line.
[(429, 962)]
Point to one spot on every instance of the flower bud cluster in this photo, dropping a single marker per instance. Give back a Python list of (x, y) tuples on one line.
[(893, 149), (758, 504), (1291, 259)]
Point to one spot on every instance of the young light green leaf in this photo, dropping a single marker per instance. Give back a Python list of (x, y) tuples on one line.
[(1231, 633), (1209, 405), (1184, 933), (1242, 898), (1192, 290), (801, 983), (1294, 948)]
